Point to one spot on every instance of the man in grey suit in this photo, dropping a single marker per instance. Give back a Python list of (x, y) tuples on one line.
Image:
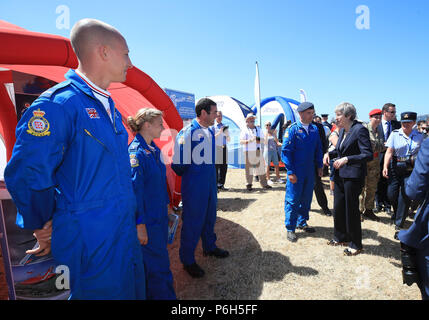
[(385, 128)]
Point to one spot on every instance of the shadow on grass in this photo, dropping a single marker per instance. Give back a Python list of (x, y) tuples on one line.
[(233, 204), (387, 248), (241, 275)]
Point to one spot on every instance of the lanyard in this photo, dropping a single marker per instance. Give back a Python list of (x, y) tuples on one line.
[(410, 145)]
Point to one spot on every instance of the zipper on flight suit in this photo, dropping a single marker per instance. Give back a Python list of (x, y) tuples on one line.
[(89, 134)]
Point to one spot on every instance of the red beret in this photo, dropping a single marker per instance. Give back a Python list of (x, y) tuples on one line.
[(375, 112)]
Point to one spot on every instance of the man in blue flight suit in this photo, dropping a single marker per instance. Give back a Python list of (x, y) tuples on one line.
[(417, 236), (301, 151), (194, 160), (70, 169)]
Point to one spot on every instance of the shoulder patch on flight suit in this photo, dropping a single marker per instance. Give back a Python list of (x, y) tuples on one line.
[(38, 125), (133, 160)]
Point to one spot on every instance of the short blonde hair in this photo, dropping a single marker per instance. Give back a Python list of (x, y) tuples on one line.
[(142, 116)]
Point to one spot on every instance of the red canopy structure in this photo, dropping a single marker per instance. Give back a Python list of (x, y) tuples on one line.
[(50, 56)]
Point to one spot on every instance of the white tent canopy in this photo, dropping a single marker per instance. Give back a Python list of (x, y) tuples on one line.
[(234, 113)]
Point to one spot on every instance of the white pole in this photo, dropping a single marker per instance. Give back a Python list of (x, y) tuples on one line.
[(258, 95)]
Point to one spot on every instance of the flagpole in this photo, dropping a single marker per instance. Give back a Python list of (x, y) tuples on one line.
[(258, 95), (302, 95)]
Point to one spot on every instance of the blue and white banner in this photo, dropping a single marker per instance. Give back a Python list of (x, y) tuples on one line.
[(184, 103)]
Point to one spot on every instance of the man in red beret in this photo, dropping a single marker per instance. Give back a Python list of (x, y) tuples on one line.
[(373, 167)]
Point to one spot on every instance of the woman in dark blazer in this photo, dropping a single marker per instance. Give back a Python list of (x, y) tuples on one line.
[(351, 154)]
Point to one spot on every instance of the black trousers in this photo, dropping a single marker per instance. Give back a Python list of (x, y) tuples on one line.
[(381, 197), (320, 192), (222, 168), (399, 200), (347, 224)]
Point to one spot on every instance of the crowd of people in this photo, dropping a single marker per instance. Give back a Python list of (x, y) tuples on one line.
[(102, 206), (369, 164)]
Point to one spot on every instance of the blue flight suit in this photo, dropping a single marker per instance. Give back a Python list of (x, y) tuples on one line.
[(70, 164), (194, 160), (417, 236), (150, 186), (301, 152)]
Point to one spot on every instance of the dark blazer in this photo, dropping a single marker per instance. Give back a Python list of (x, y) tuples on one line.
[(395, 125), (357, 148), (322, 136)]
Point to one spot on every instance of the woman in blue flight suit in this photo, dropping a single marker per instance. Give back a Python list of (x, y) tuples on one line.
[(150, 186)]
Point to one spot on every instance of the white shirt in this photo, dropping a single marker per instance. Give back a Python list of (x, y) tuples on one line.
[(100, 94), (305, 126), (248, 134)]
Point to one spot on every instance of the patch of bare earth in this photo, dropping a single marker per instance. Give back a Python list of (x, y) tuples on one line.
[(264, 265)]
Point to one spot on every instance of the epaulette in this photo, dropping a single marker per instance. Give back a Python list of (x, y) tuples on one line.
[(48, 93), (396, 130)]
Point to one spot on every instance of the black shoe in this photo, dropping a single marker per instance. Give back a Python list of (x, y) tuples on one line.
[(291, 236), (218, 253), (397, 229), (257, 178), (388, 210), (249, 187), (370, 215), (194, 270), (306, 229), (327, 212), (378, 209), (268, 187), (222, 188)]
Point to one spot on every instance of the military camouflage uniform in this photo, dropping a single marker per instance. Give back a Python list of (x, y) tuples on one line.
[(373, 170)]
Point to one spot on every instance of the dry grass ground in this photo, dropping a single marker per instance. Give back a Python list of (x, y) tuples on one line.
[(264, 265)]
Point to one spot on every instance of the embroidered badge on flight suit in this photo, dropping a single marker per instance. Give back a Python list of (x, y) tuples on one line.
[(92, 113), (38, 126), (134, 161), (182, 140)]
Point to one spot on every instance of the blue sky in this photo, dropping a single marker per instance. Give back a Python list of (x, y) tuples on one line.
[(210, 48)]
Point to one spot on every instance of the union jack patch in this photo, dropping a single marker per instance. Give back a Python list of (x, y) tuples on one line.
[(92, 113)]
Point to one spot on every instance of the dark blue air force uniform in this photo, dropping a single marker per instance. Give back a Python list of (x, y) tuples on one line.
[(150, 186), (70, 163), (403, 147)]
